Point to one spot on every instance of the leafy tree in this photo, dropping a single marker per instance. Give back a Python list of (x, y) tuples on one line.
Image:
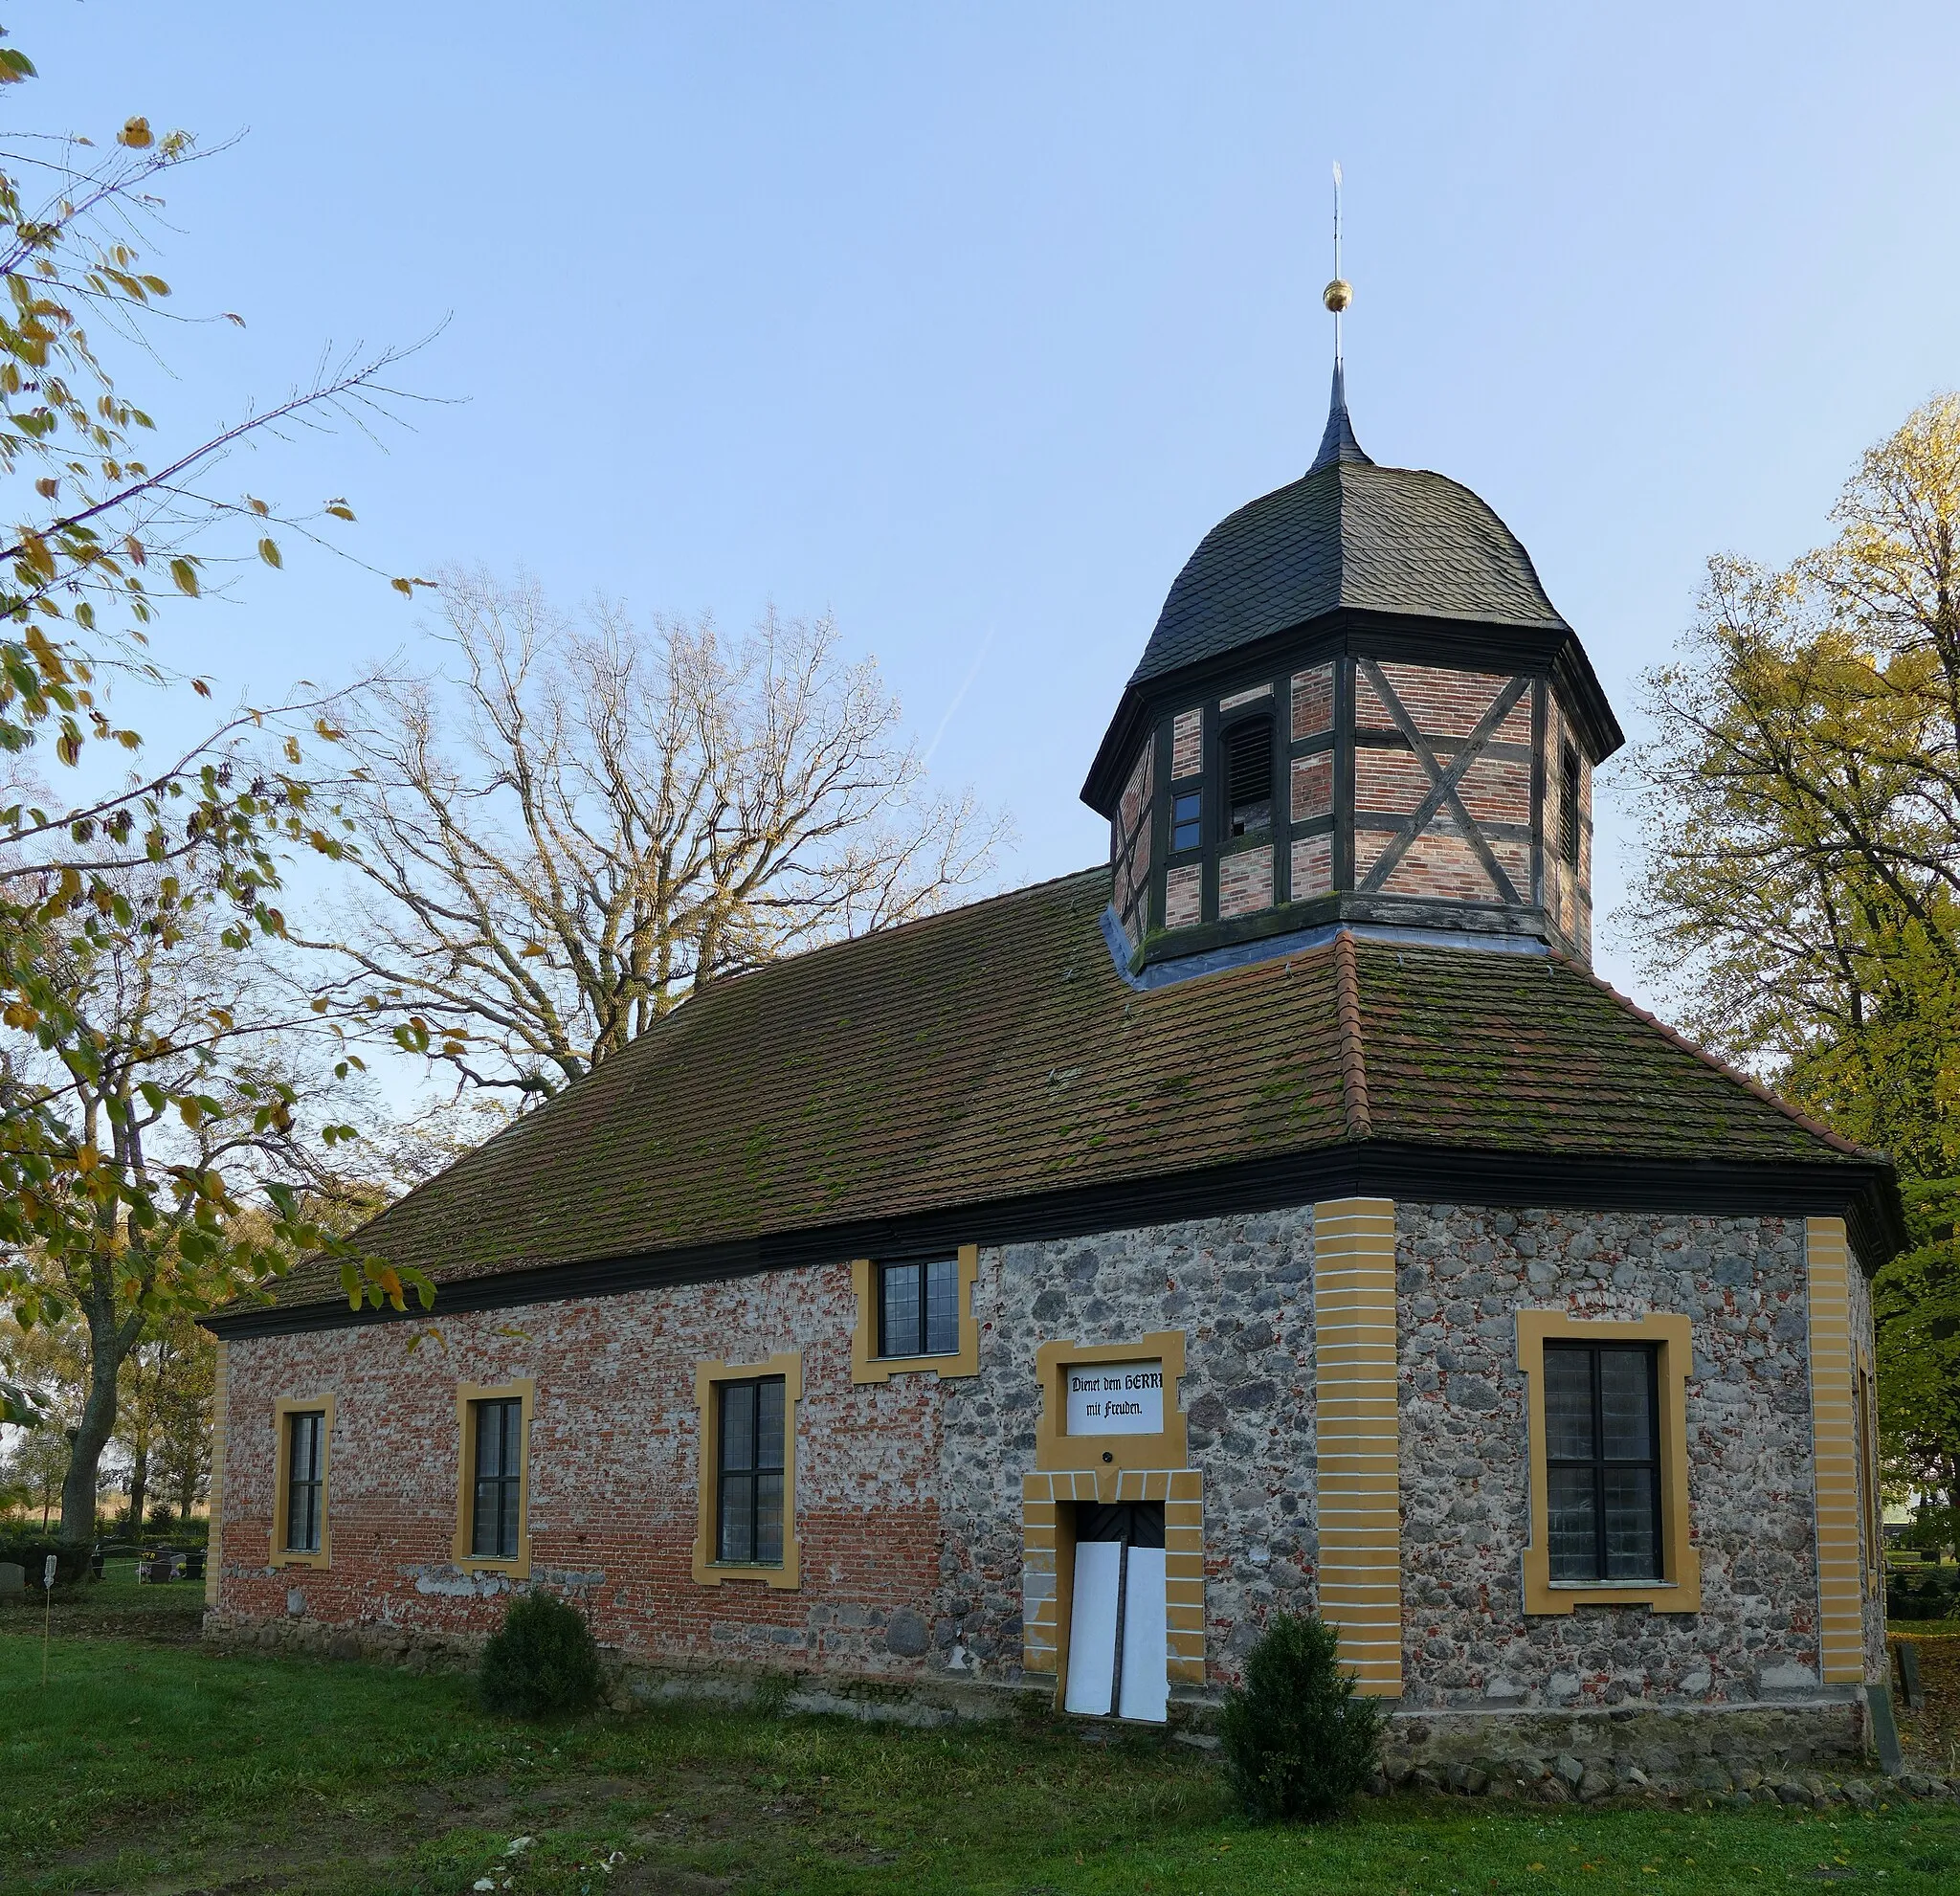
[(1802, 889), (1802, 802), (173, 1065), (102, 534), (34, 1471), (570, 825), (187, 1385), (164, 1414), (1916, 1307)]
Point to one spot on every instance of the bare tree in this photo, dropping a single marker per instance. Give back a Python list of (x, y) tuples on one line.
[(571, 823)]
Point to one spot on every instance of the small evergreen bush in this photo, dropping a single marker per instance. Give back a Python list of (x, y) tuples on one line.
[(1298, 1744), (544, 1660)]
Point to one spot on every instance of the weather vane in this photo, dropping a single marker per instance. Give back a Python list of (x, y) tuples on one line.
[(1340, 293)]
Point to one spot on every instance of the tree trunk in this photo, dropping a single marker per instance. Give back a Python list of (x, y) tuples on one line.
[(139, 1490), (92, 1436)]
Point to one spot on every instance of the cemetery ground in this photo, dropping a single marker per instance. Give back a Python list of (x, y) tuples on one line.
[(150, 1763)]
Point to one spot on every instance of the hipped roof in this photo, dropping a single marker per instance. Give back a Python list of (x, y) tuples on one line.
[(996, 1054)]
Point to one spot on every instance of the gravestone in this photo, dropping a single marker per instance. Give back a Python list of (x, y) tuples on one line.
[(1908, 1653), (1885, 1730), (12, 1580)]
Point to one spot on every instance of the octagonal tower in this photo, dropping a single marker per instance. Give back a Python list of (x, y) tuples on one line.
[(1358, 707)]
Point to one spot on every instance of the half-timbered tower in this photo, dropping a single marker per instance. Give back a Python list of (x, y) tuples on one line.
[(1357, 705)]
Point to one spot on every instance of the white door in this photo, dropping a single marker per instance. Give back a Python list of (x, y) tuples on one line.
[(1145, 1637), (1092, 1627)]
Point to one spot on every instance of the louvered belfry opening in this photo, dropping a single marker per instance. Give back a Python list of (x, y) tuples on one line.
[(1569, 803), (1249, 777)]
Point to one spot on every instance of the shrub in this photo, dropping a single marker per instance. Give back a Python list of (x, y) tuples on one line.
[(1922, 1594), (32, 1551), (543, 1659), (1298, 1744)]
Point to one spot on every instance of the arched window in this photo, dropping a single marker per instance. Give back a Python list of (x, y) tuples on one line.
[(1249, 778)]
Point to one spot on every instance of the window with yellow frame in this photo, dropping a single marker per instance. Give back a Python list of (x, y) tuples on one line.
[(493, 1527), (915, 1315), (746, 1527), (302, 1429), (1606, 1409)]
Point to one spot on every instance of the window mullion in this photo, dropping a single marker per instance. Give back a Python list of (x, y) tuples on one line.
[(1600, 1566)]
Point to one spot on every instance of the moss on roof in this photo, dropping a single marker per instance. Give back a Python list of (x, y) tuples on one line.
[(994, 1052)]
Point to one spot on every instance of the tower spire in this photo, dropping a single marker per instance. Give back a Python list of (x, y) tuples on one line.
[(1338, 443)]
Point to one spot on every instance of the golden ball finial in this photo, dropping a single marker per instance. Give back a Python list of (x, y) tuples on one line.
[(1338, 295)]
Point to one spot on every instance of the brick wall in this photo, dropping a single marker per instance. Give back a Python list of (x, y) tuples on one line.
[(1313, 866), (613, 1468), (1245, 881), (1440, 862), (1183, 895), (1187, 744), (1313, 785), (1442, 701), (1313, 701)]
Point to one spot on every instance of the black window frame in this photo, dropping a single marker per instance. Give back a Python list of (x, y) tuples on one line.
[(311, 1485), (754, 1471), (1193, 822), (503, 1485), (926, 1328), (1599, 1462)]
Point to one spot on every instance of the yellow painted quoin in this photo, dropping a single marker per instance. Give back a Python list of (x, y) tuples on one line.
[(1358, 1438), (1834, 1427)]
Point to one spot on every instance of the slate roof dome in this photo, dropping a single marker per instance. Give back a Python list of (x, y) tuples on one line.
[(1346, 534)]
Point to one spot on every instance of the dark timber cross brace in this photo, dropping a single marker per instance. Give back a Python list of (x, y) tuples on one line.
[(1444, 779)]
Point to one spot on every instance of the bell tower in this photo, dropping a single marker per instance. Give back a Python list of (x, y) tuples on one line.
[(1358, 707)]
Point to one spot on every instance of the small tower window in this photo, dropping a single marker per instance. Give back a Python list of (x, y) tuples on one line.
[(1568, 803), (1187, 820), (1249, 777)]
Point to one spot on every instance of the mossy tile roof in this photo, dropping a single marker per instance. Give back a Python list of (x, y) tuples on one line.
[(994, 1053)]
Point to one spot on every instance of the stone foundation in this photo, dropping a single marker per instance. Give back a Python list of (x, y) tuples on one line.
[(1628, 1750)]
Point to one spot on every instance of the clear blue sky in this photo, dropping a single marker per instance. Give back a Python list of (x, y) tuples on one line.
[(967, 322)]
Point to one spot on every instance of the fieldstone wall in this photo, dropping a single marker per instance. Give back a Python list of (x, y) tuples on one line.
[(1463, 1274), (1241, 1290)]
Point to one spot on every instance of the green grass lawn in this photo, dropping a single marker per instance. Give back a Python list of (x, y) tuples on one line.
[(165, 1768)]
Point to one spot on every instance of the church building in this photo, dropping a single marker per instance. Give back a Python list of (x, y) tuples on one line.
[(1279, 1216)]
